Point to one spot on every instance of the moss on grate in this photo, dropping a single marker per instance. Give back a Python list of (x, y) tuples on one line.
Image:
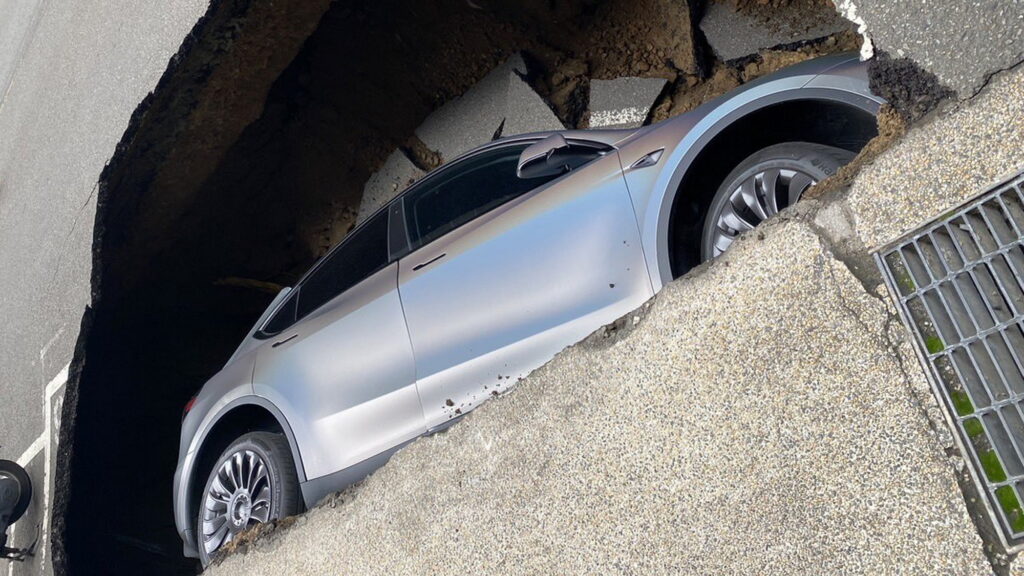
[(990, 464), (961, 402), (973, 428), (1011, 507)]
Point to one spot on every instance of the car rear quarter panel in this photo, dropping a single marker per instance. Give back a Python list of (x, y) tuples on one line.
[(224, 390)]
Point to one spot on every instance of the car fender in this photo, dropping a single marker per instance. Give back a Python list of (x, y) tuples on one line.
[(840, 78), (228, 390)]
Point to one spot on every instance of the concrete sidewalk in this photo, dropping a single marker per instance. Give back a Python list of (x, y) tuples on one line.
[(762, 415)]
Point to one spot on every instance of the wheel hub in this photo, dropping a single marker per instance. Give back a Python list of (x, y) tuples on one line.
[(239, 497), (241, 508), (756, 199)]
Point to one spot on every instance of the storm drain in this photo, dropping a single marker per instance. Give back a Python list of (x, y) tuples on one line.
[(960, 286)]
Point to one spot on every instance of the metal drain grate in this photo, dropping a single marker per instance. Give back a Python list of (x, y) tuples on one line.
[(960, 286)]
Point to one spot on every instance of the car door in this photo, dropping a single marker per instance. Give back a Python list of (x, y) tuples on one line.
[(338, 362), (505, 272)]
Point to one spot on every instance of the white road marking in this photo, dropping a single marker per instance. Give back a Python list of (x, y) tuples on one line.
[(46, 348), (32, 451), (57, 381), (44, 444)]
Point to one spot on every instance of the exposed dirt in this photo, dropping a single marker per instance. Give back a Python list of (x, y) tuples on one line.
[(769, 61), (751, 5), (690, 91), (911, 90)]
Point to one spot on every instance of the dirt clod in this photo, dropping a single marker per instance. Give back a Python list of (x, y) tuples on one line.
[(911, 90)]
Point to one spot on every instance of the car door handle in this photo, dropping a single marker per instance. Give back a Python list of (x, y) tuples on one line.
[(428, 262), (279, 342)]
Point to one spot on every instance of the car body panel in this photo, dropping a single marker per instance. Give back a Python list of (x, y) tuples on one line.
[(344, 377), (227, 389), (492, 269), (520, 283)]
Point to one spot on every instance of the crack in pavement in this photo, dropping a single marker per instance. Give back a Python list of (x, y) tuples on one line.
[(894, 338), (74, 226)]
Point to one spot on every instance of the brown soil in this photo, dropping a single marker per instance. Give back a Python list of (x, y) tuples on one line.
[(690, 91)]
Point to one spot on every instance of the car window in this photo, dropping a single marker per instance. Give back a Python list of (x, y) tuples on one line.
[(364, 252), (284, 317), (471, 188)]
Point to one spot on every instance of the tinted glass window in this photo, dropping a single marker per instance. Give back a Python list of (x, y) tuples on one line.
[(472, 188), (360, 255), (285, 315)]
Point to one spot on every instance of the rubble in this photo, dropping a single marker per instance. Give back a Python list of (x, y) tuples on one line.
[(623, 102), (501, 104), (735, 34)]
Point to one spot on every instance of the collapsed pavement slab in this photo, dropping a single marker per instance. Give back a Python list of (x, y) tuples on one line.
[(962, 43), (737, 33), (750, 420), (502, 104), (622, 102)]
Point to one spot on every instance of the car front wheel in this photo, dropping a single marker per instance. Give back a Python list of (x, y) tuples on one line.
[(762, 185), (253, 482)]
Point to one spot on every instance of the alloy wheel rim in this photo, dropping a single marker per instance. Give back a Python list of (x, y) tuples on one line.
[(238, 498), (757, 198)]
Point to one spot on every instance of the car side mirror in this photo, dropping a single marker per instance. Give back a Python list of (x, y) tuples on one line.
[(542, 158)]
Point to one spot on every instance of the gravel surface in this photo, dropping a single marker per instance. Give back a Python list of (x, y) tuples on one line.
[(753, 421), (954, 157)]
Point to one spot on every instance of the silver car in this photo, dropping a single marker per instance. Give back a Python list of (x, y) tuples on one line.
[(481, 272)]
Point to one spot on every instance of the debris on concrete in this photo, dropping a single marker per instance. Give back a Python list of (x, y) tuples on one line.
[(421, 156), (502, 98), (397, 173), (623, 102), (962, 43), (753, 459), (737, 33)]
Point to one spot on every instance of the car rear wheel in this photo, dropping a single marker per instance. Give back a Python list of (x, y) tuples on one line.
[(762, 185), (253, 482)]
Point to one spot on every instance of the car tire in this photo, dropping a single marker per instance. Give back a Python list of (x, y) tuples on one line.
[(15, 472), (763, 184), (253, 482)]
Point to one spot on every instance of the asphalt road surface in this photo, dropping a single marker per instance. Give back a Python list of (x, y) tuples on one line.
[(71, 74)]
